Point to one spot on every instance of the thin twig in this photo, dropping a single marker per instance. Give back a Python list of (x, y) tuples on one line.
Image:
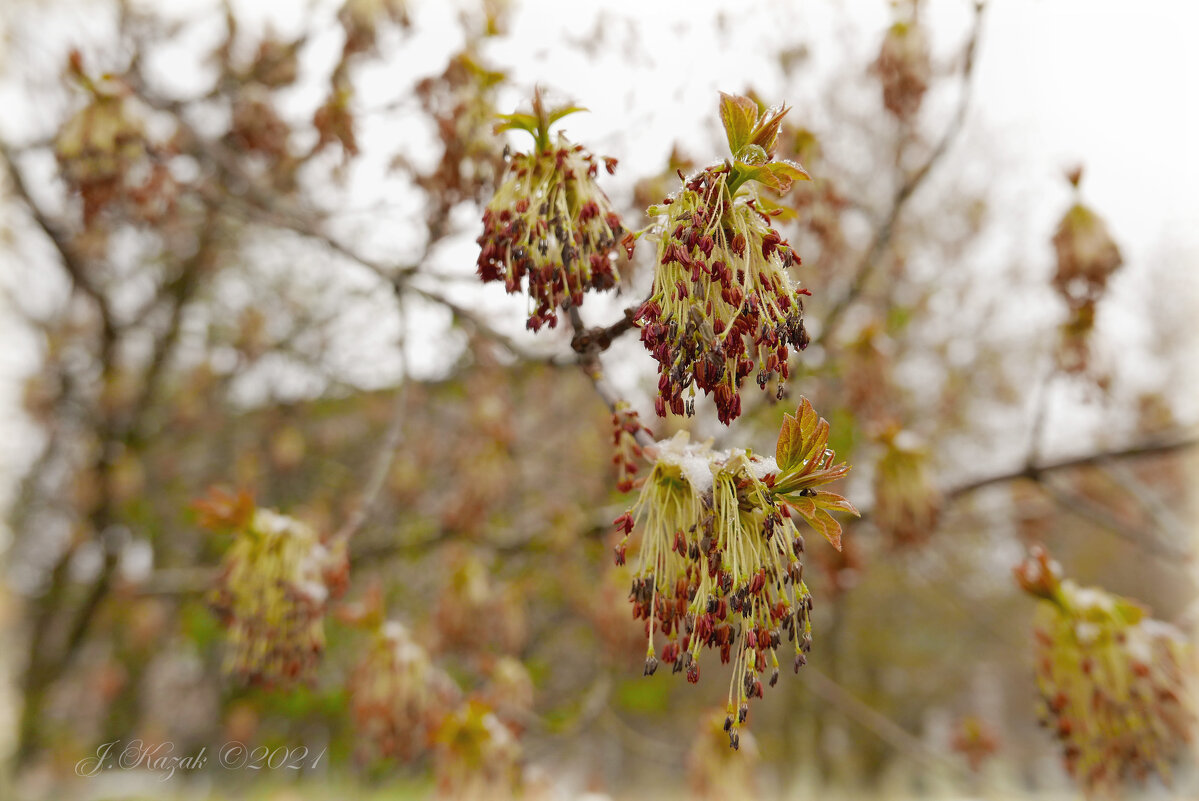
[(1032, 472), (391, 442), (72, 262), (1089, 510), (882, 235), (879, 724), (589, 362)]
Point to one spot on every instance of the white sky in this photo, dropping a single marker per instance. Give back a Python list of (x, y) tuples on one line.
[(1057, 82)]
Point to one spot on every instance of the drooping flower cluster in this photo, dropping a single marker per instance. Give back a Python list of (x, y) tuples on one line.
[(719, 557), (550, 223), (275, 583), (713, 771), (625, 426), (477, 754), (723, 303), (976, 740), (907, 505), (476, 611), (398, 697), (1112, 680), (904, 68), (105, 153), (1087, 256)]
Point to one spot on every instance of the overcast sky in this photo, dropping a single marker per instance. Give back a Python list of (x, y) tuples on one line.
[(1108, 84)]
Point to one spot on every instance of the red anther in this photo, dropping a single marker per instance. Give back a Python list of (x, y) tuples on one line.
[(628, 240), (625, 521)]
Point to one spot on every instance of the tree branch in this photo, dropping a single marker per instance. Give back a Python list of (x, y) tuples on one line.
[(588, 346), (882, 236), (1034, 472)]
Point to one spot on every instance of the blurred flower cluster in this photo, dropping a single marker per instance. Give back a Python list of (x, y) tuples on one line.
[(550, 222), (625, 426), (713, 771), (106, 155), (723, 302), (1086, 258), (461, 101), (1112, 680), (719, 556), (475, 611), (398, 697), (275, 583), (904, 68), (907, 503), (478, 756)]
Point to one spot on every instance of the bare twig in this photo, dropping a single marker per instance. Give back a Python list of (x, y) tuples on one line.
[(391, 442), (589, 361), (1089, 510), (1033, 472), (882, 235), (874, 721), (72, 262)]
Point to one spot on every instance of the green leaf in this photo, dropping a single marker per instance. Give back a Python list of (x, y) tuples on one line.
[(820, 521), (766, 131), (789, 170), (834, 502), (776, 210), (517, 122), (814, 444), (752, 155), (789, 448), (559, 113), (761, 173), (738, 114)]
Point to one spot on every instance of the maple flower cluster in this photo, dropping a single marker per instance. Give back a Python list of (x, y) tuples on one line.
[(1087, 256), (275, 583), (398, 697), (1111, 679), (550, 223), (907, 503), (626, 424), (477, 755), (722, 303), (904, 68), (720, 559), (105, 154)]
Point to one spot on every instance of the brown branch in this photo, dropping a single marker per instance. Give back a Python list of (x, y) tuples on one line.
[(179, 292), (601, 338), (44, 665), (391, 443), (1034, 472), (864, 270), (589, 362), (72, 261), (1089, 510), (874, 721)]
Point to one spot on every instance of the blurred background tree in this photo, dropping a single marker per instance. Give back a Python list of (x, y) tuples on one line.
[(239, 271)]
